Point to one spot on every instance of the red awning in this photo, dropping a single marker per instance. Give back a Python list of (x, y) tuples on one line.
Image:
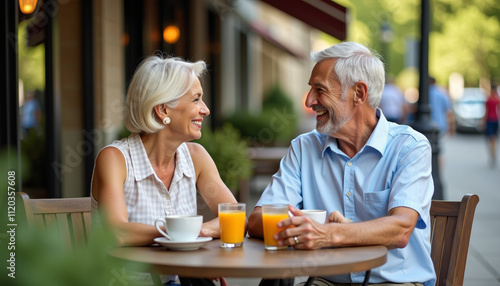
[(324, 15)]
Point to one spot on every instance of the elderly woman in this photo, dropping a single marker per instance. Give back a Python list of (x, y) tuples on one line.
[(156, 172)]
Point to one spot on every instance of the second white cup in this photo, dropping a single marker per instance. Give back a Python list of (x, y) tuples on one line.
[(317, 215), (180, 227)]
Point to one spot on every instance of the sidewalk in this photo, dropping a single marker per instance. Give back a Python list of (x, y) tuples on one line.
[(466, 170)]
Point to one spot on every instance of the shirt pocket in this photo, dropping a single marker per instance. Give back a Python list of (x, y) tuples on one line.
[(376, 203)]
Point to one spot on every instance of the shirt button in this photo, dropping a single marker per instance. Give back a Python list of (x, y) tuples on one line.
[(349, 164), (349, 220), (348, 194)]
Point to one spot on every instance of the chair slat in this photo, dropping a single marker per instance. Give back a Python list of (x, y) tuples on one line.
[(50, 219), (78, 228), (64, 229), (87, 222), (437, 243), (38, 221)]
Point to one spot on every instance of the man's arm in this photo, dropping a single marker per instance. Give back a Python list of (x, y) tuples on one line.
[(393, 231), (411, 192)]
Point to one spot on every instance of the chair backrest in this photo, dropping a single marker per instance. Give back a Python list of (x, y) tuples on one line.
[(451, 225), (71, 215)]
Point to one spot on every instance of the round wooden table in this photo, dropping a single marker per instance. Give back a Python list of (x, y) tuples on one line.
[(252, 260)]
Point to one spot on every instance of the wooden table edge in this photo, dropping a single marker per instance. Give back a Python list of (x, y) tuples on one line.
[(263, 272)]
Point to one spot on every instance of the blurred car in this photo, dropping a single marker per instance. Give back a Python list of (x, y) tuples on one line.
[(469, 110)]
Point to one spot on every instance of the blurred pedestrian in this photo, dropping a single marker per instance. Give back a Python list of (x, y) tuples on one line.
[(492, 116), (30, 113), (393, 102), (441, 112)]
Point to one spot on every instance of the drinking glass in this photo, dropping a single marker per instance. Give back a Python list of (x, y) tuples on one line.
[(271, 215), (232, 217)]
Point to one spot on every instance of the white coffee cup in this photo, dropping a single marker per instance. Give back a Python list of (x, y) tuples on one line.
[(317, 215), (180, 227)]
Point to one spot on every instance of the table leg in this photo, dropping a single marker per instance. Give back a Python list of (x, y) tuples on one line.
[(367, 277), (309, 281)]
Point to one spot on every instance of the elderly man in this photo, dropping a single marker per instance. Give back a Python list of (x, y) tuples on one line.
[(372, 176)]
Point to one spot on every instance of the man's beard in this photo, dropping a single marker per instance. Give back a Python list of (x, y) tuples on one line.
[(334, 122)]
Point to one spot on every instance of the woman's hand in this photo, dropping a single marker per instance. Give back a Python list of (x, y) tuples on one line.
[(211, 229), (336, 216)]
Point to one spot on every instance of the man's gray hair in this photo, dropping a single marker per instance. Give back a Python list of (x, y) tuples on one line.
[(354, 63)]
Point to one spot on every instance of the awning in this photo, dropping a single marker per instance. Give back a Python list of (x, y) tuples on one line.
[(324, 15), (264, 33)]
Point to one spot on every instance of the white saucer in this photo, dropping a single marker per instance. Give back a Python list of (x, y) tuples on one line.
[(182, 245)]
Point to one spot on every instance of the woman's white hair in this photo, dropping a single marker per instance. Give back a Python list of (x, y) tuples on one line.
[(354, 63), (157, 81)]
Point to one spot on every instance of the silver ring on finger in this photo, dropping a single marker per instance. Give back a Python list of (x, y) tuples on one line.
[(296, 240)]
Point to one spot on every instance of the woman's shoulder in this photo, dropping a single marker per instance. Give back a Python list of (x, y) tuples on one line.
[(195, 149), (111, 154), (122, 146), (116, 151), (193, 146)]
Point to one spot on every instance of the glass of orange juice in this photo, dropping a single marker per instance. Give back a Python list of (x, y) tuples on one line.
[(271, 215), (232, 217)]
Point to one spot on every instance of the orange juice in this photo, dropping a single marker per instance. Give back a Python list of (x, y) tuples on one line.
[(270, 222), (232, 226)]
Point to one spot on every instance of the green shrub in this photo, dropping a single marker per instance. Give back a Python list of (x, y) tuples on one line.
[(230, 153), (42, 259), (275, 125)]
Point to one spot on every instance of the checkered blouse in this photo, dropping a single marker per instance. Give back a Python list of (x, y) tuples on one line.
[(146, 196)]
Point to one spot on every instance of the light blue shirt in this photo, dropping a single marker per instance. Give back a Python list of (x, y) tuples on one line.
[(392, 170)]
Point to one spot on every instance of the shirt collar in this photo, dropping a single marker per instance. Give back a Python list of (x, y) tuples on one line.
[(142, 165), (140, 161), (183, 164), (377, 140)]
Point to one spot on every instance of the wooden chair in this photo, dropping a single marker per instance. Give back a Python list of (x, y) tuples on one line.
[(451, 225), (71, 215)]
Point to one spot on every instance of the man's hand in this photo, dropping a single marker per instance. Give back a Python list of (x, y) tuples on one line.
[(299, 228)]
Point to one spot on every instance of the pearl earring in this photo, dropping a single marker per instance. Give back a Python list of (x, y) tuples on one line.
[(166, 120)]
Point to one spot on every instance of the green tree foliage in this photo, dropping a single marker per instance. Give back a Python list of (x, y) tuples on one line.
[(31, 61), (464, 38), (465, 41)]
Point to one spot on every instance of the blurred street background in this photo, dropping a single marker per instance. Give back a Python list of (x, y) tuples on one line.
[(75, 59), (67, 65)]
